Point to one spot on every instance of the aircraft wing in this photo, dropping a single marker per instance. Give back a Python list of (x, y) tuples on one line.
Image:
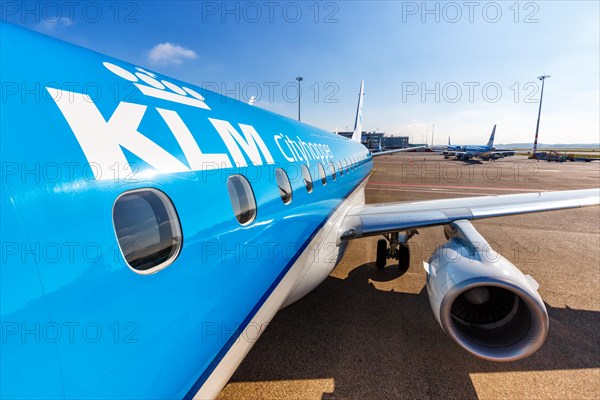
[(377, 219), (407, 149), (503, 153)]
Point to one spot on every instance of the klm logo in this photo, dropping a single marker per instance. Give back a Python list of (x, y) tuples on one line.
[(103, 140), (148, 83)]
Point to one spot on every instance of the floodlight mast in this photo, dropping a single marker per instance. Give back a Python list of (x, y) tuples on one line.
[(299, 79), (537, 128)]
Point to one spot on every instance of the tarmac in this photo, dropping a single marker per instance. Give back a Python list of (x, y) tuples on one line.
[(368, 333)]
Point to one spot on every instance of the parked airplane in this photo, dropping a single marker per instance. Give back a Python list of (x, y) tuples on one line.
[(486, 152), (151, 229), (451, 147)]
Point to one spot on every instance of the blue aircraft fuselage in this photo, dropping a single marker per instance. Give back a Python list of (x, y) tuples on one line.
[(79, 129), (476, 150)]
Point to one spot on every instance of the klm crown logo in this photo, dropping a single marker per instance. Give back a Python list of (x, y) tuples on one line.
[(148, 83)]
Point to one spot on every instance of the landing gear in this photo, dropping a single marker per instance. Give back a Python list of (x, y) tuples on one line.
[(403, 256), (381, 253), (397, 248)]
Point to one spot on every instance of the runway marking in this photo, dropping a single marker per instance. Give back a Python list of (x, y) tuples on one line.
[(454, 187)]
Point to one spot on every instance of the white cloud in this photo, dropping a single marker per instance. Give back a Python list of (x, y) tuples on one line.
[(168, 53), (51, 24)]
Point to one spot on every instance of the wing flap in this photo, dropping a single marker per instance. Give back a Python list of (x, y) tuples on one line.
[(377, 219)]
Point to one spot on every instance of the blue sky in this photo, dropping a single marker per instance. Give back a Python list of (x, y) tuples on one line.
[(464, 66)]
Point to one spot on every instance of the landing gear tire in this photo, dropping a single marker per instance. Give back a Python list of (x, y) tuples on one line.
[(381, 260), (403, 257)]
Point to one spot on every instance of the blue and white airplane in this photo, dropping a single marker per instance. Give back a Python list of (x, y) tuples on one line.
[(485, 152), (451, 147), (151, 230)]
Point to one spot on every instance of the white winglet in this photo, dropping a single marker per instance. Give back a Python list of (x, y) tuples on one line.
[(357, 134)]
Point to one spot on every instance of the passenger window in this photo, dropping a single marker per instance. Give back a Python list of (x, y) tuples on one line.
[(322, 174), (308, 182), (340, 168), (242, 199), (283, 183), (148, 229), (333, 175)]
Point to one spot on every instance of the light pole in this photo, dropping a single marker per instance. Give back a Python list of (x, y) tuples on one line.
[(537, 127), (299, 79)]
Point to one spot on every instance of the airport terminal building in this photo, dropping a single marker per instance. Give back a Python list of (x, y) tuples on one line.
[(376, 140)]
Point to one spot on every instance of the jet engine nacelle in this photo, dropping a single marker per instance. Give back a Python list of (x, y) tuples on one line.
[(482, 300)]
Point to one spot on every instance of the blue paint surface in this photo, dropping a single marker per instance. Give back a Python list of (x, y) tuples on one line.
[(77, 322)]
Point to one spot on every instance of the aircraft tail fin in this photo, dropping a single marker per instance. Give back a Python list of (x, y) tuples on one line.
[(357, 134), (449, 141), (490, 142)]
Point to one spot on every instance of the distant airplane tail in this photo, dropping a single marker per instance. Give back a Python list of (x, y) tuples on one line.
[(490, 142), (449, 141), (357, 134)]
